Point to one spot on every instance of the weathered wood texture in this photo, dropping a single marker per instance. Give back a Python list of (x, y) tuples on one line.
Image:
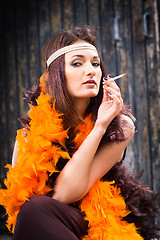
[(128, 40)]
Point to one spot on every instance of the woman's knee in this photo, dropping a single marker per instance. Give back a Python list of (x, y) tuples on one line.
[(32, 210), (34, 220)]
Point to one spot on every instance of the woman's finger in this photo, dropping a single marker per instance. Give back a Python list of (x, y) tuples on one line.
[(111, 84), (105, 94), (112, 91), (117, 103)]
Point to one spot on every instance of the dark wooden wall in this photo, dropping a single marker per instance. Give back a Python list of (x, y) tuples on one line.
[(128, 40)]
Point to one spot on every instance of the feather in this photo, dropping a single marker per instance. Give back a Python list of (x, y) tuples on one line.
[(105, 212)]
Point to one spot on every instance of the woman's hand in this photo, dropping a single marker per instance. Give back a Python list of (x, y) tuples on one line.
[(111, 105)]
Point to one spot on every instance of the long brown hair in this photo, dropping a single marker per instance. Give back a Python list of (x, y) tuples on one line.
[(55, 75)]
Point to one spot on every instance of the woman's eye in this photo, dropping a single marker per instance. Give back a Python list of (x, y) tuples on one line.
[(96, 64), (76, 64)]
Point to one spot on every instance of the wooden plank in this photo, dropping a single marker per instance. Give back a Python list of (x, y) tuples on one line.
[(106, 40), (142, 137), (11, 87), (56, 16), (122, 45), (68, 14), (93, 8), (22, 54), (124, 50), (124, 63), (44, 27), (157, 22), (33, 46), (152, 61), (80, 9), (3, 100)]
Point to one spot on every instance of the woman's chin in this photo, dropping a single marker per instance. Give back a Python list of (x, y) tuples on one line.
[(86, 95), (91, 93)]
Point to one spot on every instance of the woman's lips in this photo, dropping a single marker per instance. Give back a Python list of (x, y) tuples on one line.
[(90, 82)]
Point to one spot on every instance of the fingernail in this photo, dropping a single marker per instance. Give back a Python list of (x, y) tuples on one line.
[(105, 78), (110, 93), (109, 75)]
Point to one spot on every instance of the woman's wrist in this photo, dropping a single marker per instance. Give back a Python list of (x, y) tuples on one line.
[(100, 127)]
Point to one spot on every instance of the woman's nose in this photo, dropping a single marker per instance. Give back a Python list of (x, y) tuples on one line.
[(90, 70)]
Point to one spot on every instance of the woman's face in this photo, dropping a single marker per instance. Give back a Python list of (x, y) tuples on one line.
[(83, 72)]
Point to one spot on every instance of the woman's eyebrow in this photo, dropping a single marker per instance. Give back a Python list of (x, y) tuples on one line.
[(82, 56)]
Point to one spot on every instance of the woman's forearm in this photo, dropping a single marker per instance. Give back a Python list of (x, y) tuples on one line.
[(73, 180)]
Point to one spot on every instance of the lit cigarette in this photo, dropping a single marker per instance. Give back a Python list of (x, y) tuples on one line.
[(119, 76)]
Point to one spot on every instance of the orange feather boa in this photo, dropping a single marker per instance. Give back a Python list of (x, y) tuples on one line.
[(103, 206)]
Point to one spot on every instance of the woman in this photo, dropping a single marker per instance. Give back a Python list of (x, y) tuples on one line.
[(76, 134)]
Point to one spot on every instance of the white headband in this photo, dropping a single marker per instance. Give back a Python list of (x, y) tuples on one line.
[(67, 49)]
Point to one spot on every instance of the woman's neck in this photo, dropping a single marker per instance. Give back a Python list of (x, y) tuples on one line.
[(81, 106)]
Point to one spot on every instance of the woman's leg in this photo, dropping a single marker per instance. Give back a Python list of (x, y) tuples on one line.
[(45, 218)]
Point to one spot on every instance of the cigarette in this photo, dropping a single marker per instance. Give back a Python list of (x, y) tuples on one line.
[(119, 76)]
